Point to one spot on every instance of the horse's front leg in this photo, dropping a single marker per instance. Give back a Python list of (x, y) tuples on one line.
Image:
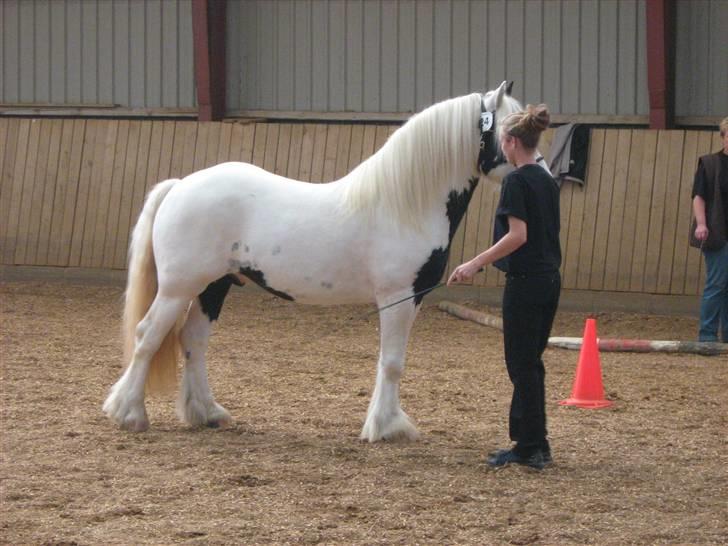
[(196, 405), (385, 418)]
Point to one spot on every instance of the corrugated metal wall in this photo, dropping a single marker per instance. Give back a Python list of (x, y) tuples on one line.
[(579, 56), (701, 63), (97, 53)]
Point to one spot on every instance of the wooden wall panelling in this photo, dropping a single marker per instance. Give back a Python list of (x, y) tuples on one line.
[(114, 254), (189, 144), (356, 147), (657, 212), (294, 154), (213, 145), (591, 201), (307, 146), (24, 149), (330, 154), (49, 180), (200, 154), (631, 211), (30, 174), (616, 217), (115, 195), (261, 134), (94, 232), (342, 153), (223, 151), (644, 205), (603, 212), (271, 147), (670, 214), (64, 205), (90, 140), (318, 158), (9, 138), (283, 150)]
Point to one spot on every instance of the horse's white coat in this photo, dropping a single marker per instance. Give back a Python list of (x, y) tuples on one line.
[(362, 238)]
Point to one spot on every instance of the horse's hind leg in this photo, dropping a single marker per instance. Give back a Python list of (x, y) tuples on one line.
[(385, 418), (125, 403), (196, 404)]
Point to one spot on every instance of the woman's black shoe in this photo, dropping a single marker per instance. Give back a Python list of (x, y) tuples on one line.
[(538, 459)]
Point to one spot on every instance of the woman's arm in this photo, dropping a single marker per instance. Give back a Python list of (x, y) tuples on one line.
[(511, 241), (701, 231)]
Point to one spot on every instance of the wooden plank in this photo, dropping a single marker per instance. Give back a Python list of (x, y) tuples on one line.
[(591, 200), (53, 234), (9, 139), (155, 149), (368, 142), (571, 237), (307, 147), (71, 174), (355, 149), (271, 147), (115, 195), (644, 200), (631, 212), (657, 213), (223, 149), (318, 156), (203, 135), (672, 203), (342, 154), (261, 137), (283, 149), (382, 134), (189, 144), (489, 206), (250, 133), (48, 202), (616, 221), (684, 213), (213, 144), (137, 154), (566, 196), (603, 211), (93, 142), (95, 232), (330, 155), (294, 155), (28, 186), (171, 140), (16, 194)]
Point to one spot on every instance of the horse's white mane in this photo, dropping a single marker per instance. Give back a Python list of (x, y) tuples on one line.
[(435, 150)]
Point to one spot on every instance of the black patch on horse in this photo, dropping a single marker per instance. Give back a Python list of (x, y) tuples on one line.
[(258, 278), (457, 204), (431, 272), (214, 295)]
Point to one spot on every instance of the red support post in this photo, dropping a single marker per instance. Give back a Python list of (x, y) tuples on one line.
[(208, 34), (660, 22)]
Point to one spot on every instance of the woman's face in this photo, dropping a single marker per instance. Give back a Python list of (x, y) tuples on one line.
[(508, 145)]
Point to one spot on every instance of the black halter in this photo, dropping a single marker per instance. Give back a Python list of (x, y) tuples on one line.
[(490, 155)]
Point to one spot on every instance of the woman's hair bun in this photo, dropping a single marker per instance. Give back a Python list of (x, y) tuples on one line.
[(536, 118)]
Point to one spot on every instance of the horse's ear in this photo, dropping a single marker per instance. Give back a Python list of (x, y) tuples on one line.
[(509, 88), (499, 94)]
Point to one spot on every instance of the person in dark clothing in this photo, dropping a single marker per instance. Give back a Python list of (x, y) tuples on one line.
[(526, 247), (710, 206)]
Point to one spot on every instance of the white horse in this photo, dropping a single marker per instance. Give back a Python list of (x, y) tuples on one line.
[(379, 234)]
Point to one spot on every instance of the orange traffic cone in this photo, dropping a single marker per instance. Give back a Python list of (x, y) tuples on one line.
[(588, 391)]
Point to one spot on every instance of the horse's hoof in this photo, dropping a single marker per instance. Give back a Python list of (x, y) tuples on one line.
[(135, 425)]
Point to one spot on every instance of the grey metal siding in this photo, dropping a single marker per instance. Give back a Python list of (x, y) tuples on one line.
[(134, 54), (701, 64), (397, 56)]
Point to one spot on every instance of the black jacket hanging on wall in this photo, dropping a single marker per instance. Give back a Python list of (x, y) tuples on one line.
[(569, 153)]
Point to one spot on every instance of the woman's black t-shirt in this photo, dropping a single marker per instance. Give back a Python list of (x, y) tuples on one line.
[(530, 194)]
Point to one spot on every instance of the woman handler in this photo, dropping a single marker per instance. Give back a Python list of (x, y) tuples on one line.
[(526, 247)]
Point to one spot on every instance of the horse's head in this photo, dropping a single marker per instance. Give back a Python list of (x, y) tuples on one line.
[(495, 105)]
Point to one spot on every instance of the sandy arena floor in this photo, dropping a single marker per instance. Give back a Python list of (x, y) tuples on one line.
[(297, 380)]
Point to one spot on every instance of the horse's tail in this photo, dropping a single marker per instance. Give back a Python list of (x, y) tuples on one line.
[(141, 288)]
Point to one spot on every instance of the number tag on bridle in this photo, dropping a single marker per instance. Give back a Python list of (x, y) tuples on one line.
[(486, 121)]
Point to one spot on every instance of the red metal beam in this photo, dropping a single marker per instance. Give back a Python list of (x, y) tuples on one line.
[(660, 22), (208, 34)]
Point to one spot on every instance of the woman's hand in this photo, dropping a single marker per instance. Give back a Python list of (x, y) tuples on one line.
[(464, 272)]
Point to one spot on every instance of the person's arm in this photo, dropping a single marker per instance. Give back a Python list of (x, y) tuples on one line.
[(509, 243), (701, 230)]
